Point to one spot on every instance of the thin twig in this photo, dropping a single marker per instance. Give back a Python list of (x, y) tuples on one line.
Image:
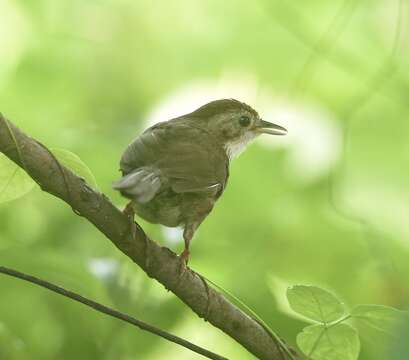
[(111, 312)]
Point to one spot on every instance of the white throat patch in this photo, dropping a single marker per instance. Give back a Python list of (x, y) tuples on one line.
[(235, 148)]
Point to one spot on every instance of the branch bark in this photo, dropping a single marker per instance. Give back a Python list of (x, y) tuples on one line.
[(158, 262)]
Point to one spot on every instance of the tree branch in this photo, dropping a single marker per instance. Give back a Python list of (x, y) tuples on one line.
[(158, 262), (111, 312)]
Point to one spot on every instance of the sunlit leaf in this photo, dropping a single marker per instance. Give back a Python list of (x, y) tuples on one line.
[(75, 164), (14, 181), (340, 342), (379, 317), (315, 303)]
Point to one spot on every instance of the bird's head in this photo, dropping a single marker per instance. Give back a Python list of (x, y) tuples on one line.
[(234, 124)]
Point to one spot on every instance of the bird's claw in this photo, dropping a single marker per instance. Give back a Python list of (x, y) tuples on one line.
[(129, 211), (130, 214), (184, 259)]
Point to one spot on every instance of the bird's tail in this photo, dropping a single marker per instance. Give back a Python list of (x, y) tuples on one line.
[(140, 185)]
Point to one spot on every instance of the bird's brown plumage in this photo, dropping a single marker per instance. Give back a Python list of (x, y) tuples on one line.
[(191, 167), (176, 170)]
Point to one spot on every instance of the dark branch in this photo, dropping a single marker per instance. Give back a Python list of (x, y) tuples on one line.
[(158, 262), (111, 312)]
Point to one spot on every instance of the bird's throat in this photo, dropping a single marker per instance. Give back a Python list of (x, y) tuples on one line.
[(235, 147)]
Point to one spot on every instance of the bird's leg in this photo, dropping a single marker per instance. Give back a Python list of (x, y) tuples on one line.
[(190, 229), (187, 236)]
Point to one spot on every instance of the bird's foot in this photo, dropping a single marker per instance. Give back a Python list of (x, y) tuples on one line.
[(184, 259), (129, 211), (130, 214)]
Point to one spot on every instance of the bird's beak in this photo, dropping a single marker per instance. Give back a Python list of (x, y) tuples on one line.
[(265, 127)]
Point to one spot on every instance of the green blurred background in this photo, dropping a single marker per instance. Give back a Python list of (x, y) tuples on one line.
[(328, 205)]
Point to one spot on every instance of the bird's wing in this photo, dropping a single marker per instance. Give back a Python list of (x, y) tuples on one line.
[(187, 159)]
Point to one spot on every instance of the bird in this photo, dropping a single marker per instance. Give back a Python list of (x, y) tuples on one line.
[(175, 171)]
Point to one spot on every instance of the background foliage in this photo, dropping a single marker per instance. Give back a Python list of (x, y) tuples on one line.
[(328, 205)]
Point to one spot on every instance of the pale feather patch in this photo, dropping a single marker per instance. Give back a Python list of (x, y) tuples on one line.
[(235, 148)]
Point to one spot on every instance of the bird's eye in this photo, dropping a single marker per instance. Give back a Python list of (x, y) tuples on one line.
[(244, 121)]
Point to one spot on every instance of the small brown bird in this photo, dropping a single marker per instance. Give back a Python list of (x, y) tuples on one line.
[(174, 172)]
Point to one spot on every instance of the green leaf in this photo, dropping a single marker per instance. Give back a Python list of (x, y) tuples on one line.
[(315, 303), (379, 317), (75, 164), (14, 181), (340, 342)]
